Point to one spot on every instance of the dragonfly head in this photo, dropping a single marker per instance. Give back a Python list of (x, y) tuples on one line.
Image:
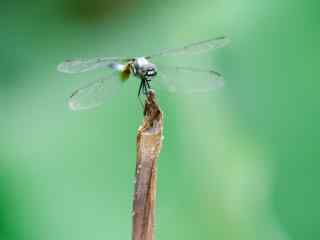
[(142, 68), (149, 71)]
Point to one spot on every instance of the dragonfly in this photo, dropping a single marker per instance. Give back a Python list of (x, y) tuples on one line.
[(174, 78)]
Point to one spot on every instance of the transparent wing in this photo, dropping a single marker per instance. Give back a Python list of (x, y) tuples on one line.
[(84, 65), (95, 93), (189, 79), (194, 48)]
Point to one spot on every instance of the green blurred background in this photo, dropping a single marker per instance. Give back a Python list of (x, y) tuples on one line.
[(238, 163)]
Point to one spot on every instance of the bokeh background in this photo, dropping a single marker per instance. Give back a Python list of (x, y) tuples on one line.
[(238, 163)]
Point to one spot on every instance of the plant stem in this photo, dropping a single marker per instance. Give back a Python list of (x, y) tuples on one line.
[(149, 141)]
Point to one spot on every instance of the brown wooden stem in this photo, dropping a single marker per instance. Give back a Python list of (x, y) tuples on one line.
[(149, 141)]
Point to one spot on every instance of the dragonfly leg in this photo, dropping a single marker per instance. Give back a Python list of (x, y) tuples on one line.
[(141, 102), (145, 88), (148, 84), (140, 87)]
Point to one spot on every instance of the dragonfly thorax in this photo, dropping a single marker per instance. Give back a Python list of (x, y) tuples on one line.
[(143, 69)]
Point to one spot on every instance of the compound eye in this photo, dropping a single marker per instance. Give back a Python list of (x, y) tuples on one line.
[(151, 72)]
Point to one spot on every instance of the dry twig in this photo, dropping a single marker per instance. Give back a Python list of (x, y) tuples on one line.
[(149, 141)]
